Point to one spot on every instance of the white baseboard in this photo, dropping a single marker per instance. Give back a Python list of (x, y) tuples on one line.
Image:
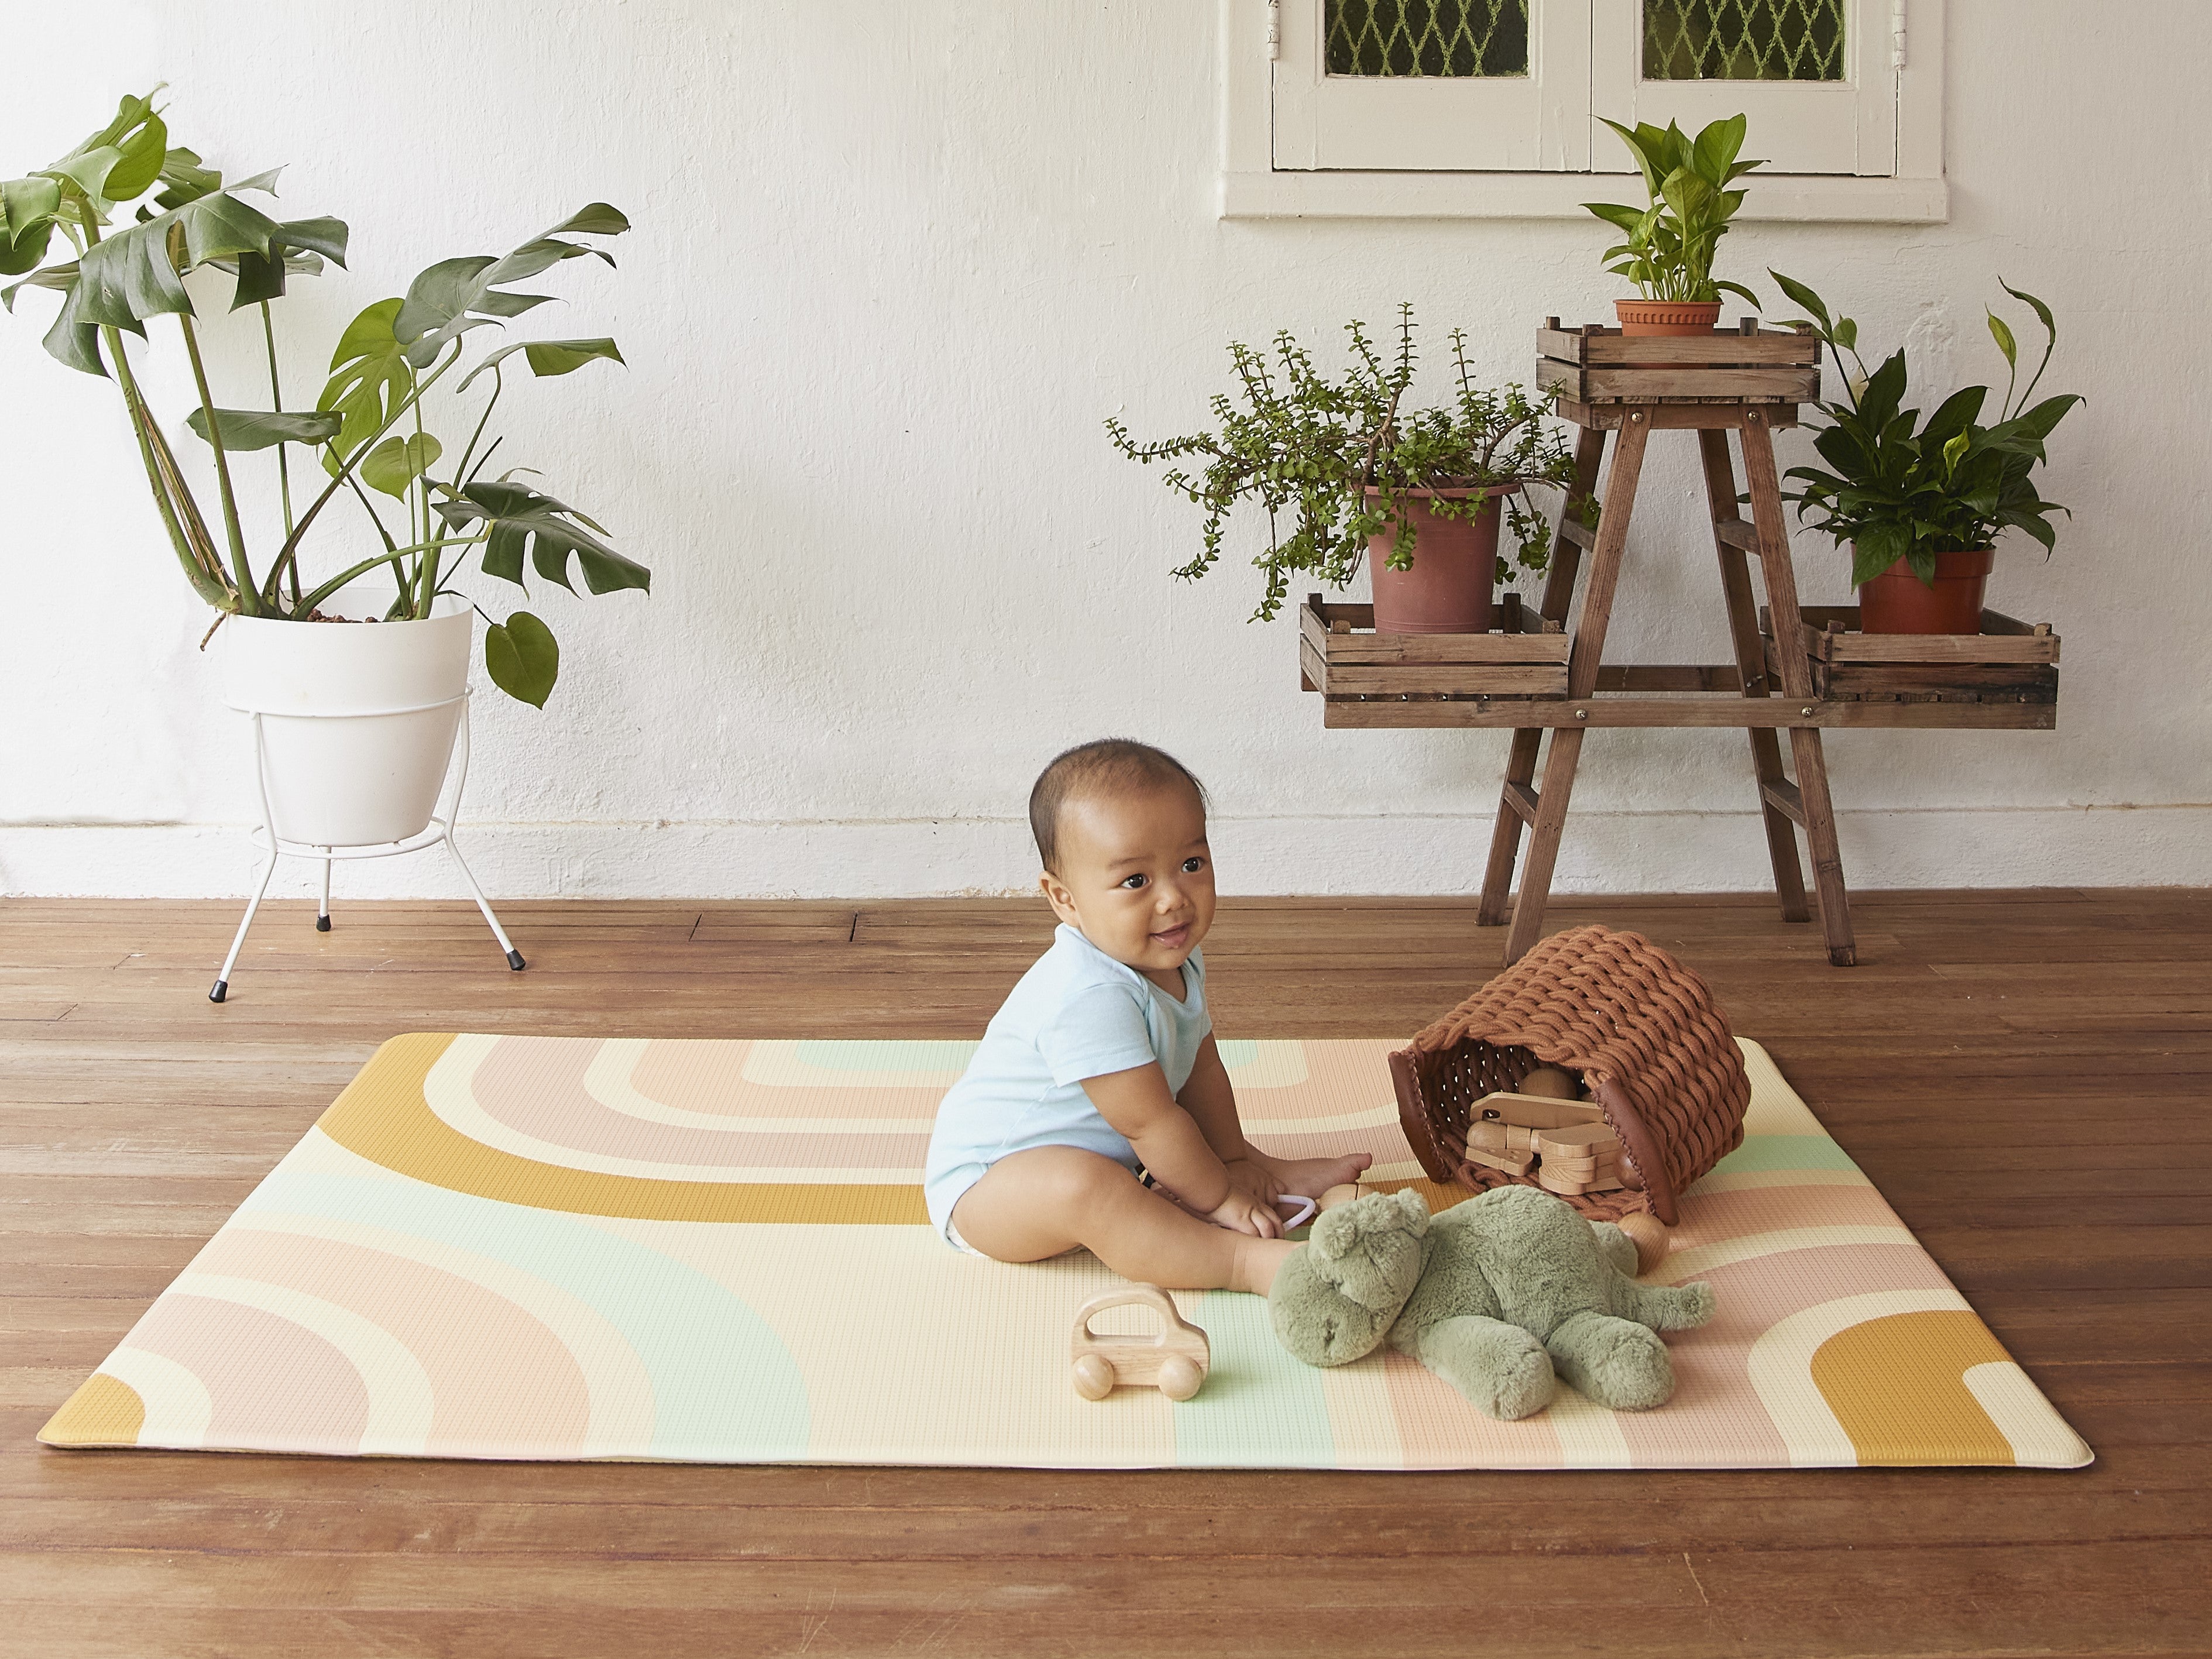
[(1603, 853)]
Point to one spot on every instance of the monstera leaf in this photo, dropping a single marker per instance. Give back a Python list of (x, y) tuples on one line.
[(397, 462), (455, 296), (549, 358), (522, 519), (296, 248), (369, 380)]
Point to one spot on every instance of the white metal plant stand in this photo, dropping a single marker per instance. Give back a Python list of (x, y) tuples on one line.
[(439, 830)]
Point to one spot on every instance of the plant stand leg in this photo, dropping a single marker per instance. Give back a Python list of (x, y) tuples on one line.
[(1817, 809), (1751, 665), (514, 956), (322, 914), (1505, 836), (222, 980), (1550, 824), (1548, 811), (1516, 799)]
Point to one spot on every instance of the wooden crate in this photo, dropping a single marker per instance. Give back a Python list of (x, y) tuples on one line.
[(1597, 365), (2009, 661), (1341, 655)]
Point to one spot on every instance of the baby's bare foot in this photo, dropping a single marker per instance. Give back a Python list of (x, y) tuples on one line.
[(1310, 1177)]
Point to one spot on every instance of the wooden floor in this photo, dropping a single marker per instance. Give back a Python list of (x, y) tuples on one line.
[(2024, 1075)]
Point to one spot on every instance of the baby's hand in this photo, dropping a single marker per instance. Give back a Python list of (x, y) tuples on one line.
[(1241, 1213), (1253, 1178)]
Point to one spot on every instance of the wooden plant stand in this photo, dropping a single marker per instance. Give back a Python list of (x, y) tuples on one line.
[(1796, 671)]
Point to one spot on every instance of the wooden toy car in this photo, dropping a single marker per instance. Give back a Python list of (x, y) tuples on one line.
[(1175, 1361)]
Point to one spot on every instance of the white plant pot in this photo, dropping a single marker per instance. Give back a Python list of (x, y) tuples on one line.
[(357, 719)]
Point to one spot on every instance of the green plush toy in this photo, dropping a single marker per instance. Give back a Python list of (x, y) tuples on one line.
[(1497, 1296)]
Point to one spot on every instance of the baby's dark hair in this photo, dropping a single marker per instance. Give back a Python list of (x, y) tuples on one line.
[(1109, 766)]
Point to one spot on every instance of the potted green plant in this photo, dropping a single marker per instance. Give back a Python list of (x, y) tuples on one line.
[(1669, 244), (1921, 503), (359, 722), (1355, 474)]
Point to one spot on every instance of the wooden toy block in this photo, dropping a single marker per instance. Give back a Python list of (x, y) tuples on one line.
[(1578, 1141), (1175, 1361), (1518, 1164), (1565, 1186), (1493, 1137), (1551, 1083), (1533, 1112), (1651, 1236), (1573, 1169), (1518, 1139)]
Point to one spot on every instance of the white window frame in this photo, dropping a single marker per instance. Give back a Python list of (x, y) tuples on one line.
[(1299, 143)]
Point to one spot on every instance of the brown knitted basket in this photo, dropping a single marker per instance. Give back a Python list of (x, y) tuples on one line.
[(1641, 1029)]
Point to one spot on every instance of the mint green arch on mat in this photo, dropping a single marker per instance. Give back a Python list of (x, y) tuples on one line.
[(1238, 1053), (1260, 1407), (886, 1055), (724, 1386), (1763, 1153)]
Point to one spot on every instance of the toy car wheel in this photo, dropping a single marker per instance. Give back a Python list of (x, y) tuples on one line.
[(1180, 1377), (1094, 1377)]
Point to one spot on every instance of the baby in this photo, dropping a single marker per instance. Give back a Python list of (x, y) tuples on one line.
[(1097, 1111)]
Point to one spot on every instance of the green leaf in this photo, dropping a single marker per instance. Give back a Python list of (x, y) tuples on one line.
[(369, 379), (1846, 333), (595, 220), (1737, 288), (21, 253), (184, 180), (1717, 147), (25, 202), (521, 519), (455, 296), (142, 149), (2037, 422), (1803, 297), (246, 429), (2003, 335), (549, 358), (523, 658), (2042, 311), (298, 246), (397, 462)]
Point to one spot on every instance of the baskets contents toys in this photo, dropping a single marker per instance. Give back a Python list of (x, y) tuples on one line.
[(1641, 1031)]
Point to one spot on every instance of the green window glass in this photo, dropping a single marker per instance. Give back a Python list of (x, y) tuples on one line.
[(1428, 37), (1743, 39)]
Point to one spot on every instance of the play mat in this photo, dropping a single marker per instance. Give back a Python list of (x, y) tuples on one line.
[(716, 1252)]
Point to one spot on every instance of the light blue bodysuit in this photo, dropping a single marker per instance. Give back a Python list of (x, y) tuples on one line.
[(1077, 1013)]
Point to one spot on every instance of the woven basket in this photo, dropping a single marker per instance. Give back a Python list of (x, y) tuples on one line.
[(1641, 1029)]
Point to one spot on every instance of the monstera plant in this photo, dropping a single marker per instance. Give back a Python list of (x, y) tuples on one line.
[(374, 431)]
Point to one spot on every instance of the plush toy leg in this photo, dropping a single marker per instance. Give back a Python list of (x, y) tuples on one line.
[(1501, 1369), (1616, 1247), (1664, 1307), (1618, 1363)]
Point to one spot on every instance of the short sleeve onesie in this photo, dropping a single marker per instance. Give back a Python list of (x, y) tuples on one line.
[(1077, 1013)]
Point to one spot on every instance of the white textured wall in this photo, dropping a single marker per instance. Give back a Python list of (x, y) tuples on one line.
[(893, 262)]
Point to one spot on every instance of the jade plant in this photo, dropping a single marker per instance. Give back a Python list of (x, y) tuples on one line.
[(1896, 486), (1338, 460), (372, 427), (1669, 243)]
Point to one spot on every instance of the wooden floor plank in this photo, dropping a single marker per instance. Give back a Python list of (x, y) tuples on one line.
[(1994, 1065)]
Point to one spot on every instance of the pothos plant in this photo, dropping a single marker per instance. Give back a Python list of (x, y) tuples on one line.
[(1896, 488), (1669, 243), (371, 424), (1342, 458)]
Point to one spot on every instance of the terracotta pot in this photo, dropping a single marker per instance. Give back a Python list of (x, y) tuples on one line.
[(1448, 589), (1667, 316), (1898, 602)]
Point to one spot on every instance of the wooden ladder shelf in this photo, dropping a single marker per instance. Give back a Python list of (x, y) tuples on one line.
[(1796, 671)]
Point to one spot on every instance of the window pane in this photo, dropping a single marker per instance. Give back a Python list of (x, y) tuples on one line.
[(1743, 39), (1428, 37)]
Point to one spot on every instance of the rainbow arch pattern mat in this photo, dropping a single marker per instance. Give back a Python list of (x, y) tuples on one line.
[(561, 1248)]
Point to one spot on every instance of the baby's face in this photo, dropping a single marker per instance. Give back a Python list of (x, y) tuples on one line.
[(1135, 877)]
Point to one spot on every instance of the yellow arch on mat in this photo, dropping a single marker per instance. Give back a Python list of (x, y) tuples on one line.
[(1898, 1387), (105, 1411), (383, 1118)]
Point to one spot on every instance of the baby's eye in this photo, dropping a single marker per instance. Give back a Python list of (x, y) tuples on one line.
[(1191, 866), (1134, 883)]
